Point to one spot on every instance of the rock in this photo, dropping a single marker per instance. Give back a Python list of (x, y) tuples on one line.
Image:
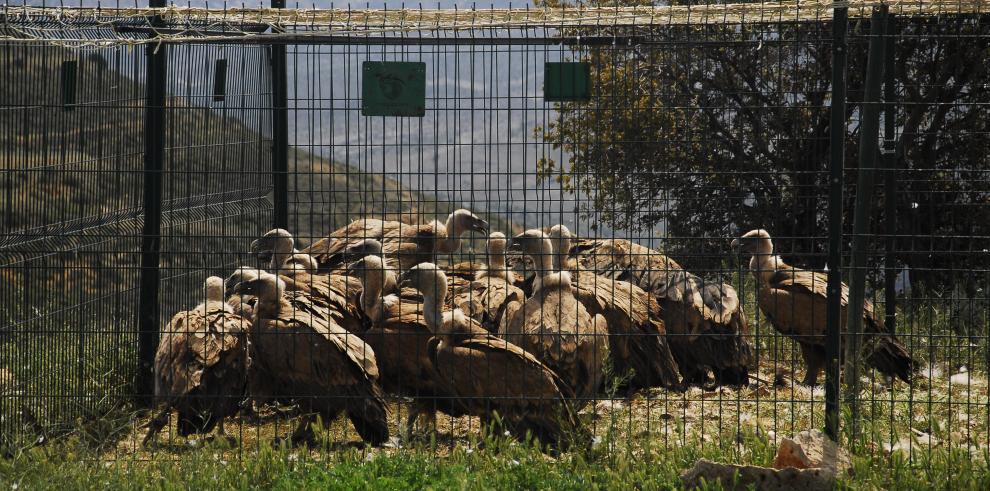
[(762, 478), (812, 449)]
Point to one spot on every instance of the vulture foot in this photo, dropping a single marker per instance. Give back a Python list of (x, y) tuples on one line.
[(155, 425), (810, 379), (430, 422), (303, 433)]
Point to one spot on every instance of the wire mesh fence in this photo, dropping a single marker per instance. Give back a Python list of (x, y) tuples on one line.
[(706, 190)]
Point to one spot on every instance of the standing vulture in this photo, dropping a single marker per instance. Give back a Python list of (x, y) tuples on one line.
[(637, 337), (201, 365), (306, 354), (491, 377), (794, 301), (555, 327), (400, 338), (706, 325), (491, 295), (410, 244)]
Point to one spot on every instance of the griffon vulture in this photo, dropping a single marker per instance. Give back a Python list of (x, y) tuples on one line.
[(201, 365), (326, 368), (400, 338), (491, 295), (491, 377), (409, 244), (637, 337), (336, 292), (706, 325), (555, 327), (794, 301)]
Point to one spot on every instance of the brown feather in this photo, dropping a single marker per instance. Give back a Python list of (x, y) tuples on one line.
[(201, 366), (794, 300), (329, 369), (558, 330), (705, 324), (491, 376)]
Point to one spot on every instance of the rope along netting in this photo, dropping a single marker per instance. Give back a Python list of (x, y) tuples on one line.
[(187, 24)]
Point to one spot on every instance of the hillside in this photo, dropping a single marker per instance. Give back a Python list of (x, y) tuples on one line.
[(71, 212)]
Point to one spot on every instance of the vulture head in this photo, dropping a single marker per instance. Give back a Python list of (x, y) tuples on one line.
[(281, 245), (362, 248), (535, 244), (462, 220), (213, 289), (300, 262), (755, 242), (267, 289), (240, 275), (276, 239), (243, 305), (560, 237), (428, 278), (431, 282)]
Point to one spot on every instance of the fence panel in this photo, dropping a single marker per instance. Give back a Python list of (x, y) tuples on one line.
[(689, 157)]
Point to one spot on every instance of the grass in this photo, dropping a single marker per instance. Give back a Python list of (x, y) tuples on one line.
[(499, 463)]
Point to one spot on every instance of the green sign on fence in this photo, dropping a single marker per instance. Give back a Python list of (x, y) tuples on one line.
[(393, 88), (567, 81)]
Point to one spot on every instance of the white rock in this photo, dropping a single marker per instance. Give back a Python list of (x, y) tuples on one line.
[(961, 378), (761, 478)]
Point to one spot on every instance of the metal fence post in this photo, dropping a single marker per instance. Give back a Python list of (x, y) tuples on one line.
[(154, 156), (868, 149), (837, 140), (280, 131), (890, 160)]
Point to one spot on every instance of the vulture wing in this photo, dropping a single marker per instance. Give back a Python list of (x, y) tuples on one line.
[(637, 336), (558, 329), (488, 300), (201, 366), (491, 374)]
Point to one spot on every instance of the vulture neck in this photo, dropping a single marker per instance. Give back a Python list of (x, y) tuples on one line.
[(496, 267), (282, 253), (563, 247), (554, 280), (763, 266), (544, 262), (451, 236), (433, 305), (371, 297)]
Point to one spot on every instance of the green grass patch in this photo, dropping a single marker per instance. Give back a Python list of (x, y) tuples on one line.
[(498, 464)]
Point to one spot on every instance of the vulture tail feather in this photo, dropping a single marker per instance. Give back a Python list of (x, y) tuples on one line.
[(891, 358)]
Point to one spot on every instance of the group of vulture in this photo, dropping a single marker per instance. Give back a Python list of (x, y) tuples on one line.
[(366, 312)]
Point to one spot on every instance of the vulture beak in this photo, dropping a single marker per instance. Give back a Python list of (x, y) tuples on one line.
[(515, 244), (351, 269), (735, 245), (263, 244), (354, 248), (405, 280), (479, 225)]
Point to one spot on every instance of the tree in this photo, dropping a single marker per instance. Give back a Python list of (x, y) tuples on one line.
[(711, 130)]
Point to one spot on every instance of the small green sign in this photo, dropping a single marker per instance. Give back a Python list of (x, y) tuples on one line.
[(567, 81), (393, 88)]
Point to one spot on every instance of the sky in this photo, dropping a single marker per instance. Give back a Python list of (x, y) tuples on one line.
[(475, 146)]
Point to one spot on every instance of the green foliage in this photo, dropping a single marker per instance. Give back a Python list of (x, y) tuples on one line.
[(722, 128), (497, 466)]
